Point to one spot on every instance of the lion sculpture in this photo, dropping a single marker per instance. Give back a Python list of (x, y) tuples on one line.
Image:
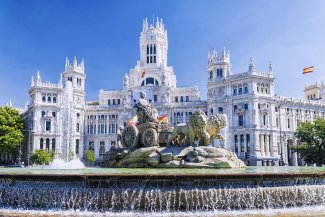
[(199, 127)]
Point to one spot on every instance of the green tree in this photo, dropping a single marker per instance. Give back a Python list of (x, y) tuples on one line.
[(90, 156), (311, 136), (11, 129), (41, 157)]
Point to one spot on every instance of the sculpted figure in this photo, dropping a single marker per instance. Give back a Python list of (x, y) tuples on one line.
[(199, 127), (145, 112)]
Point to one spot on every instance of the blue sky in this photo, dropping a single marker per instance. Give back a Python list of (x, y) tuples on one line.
[(38, 35)]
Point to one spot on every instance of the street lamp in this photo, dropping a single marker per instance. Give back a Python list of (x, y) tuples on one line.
[(279, 102)]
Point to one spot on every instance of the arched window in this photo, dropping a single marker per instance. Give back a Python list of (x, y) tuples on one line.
[(147, 49), (43, 99), (48, 99), (47, 144), (151, 49), (154, 49), (246, 89), (54, 99), (211, 74), (53, 144), (211, 111), (150, 81), (41, 143)]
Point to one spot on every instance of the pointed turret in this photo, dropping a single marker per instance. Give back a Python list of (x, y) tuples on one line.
[(145, 25), (38, 78), (32, 83)]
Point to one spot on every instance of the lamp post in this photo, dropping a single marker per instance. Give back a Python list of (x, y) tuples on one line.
[(279, 102)]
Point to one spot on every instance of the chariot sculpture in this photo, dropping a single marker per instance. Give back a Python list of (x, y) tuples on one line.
[(149, 131)]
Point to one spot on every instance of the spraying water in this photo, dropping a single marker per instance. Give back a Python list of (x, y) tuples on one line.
[(65, 160)]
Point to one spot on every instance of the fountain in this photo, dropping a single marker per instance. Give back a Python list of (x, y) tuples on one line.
[(189, 183), (63, 159)]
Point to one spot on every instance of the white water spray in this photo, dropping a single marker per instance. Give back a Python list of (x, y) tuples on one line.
[(64, 161)]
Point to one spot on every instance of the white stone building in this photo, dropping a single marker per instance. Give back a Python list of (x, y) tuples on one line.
[(261, 124)]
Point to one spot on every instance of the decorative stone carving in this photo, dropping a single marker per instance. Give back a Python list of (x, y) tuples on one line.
[(173, 157), (201, 128)]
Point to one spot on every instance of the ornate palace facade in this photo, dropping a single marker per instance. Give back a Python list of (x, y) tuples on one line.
[(261, 124)]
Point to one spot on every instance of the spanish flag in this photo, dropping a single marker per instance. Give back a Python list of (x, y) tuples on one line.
[(143, 73), (133, 120), (163, 119), (308, 70)]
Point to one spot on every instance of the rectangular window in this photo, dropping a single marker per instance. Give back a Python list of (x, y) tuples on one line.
[(176, 98), (109, 102), (155, 98), (77, 146), (220, 110), (54, 114), (235, 107), (236, 144), (182, 98), (150, 59), (154, 59), (187, 99), (147, 59), (246, 106), (113, 101), (240, 91), (241, 120), (118, 101), (288, 123), (48, 125), (77, 127), (248, 142), (242, 146)]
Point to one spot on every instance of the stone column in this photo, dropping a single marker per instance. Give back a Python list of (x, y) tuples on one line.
[(262, 144)]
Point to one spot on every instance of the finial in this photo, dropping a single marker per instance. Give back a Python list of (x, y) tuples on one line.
[(75, 61), (270, 68), (66, 62), (60, 80), (38, 77), (32, 83), (251, 67), (9, 104)]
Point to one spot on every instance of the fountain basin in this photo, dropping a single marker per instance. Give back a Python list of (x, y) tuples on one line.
[(163, 190)]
